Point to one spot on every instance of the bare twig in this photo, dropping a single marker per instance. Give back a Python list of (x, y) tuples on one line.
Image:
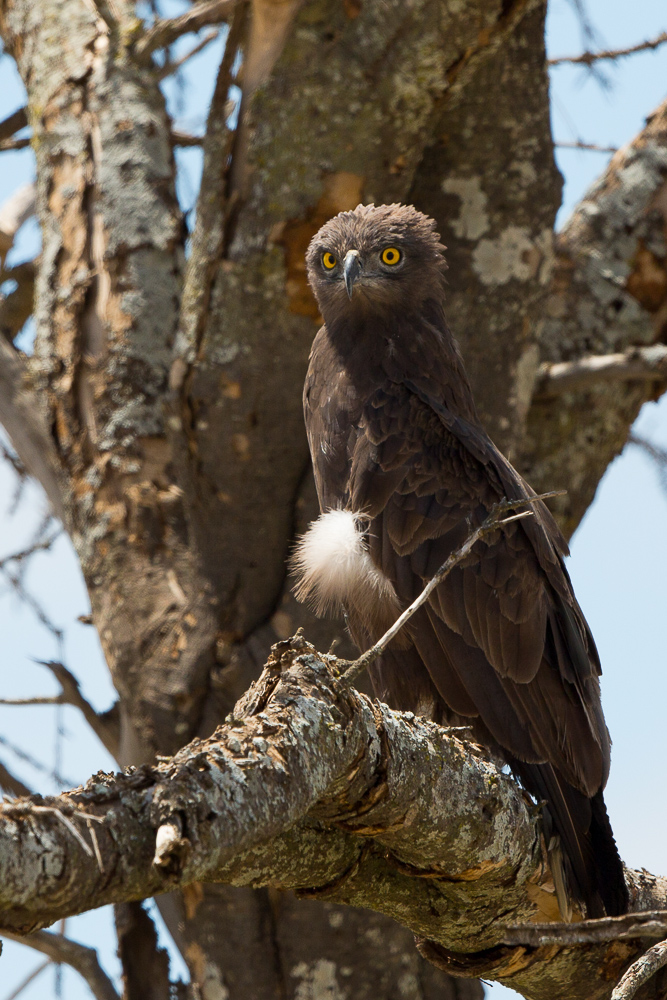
[(54, 700), (28, 979), (104, 725), (173, 67), (13, 123), (641, 971), (28, 759), (61, 949), (167, 31), (586, 145), (658, 455), (43, 545), (587, 58), (493, 521), (639, 364)]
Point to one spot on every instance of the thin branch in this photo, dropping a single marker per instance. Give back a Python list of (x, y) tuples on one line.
[(10, 783), (493, 521), (28, 759), (28, 979), (22, 702), (638, 364), (103, 724), (172, 67), (79, 957), (43, 545), (641, 971), (649, 924), (587, 58), (13, 123), (13, 144), (658, 455), (586, 145), (179, 138), (166, 32)]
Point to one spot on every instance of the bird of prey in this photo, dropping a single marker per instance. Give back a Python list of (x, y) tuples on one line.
[(404, 472)]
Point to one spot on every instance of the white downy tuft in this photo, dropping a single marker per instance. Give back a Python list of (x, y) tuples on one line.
[(333, 567)]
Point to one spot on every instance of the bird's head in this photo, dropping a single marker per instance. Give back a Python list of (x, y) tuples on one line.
[(375, 260)]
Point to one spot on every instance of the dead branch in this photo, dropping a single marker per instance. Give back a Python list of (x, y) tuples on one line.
[(104, 724), (82, 959), (13, 144), (588, 58), (649, 924), (314, 788), (173, 67), (641, 971), (492, 522), (638, 364), (166, 32), (28, 979), (13, 123), (586, 145)]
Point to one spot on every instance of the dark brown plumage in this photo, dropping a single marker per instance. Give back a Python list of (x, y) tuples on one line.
[(405, 471)]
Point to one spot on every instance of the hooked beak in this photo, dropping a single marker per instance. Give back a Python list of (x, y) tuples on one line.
[(351, 270)]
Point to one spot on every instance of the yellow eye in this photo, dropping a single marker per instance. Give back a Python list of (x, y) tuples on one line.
[(329, 260), (390, 255)]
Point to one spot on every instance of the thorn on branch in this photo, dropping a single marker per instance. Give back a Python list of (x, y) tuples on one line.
[(493, 521), (588, 58)]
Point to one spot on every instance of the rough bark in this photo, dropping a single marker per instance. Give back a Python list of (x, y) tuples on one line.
[(310, 786), (165, 422)]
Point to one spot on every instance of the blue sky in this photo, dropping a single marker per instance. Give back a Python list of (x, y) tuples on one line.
[(619, 554)]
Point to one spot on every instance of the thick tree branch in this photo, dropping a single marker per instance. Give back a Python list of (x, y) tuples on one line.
[(638, 364), (10, 783), (79, 957), (311, 786), (607, 297)]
